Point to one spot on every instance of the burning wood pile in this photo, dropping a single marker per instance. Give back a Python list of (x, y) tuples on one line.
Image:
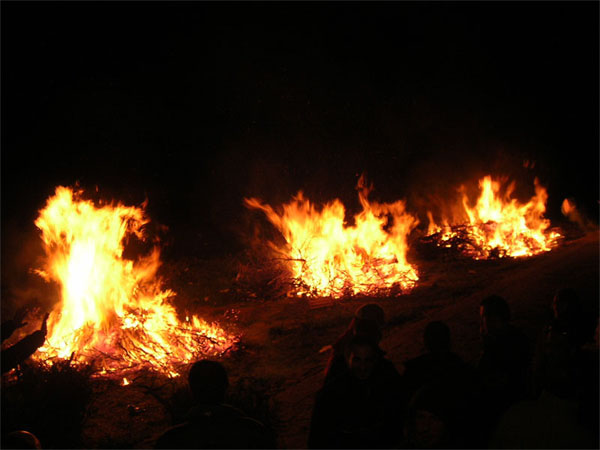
[(327, 257), (498, 225), (113, 311)]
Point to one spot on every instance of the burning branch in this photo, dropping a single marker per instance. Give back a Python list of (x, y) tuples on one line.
[(498, 226), (113, 311), (327, 257)]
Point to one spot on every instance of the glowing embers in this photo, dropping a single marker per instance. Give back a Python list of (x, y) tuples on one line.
[(328, 257), (113, 311), (498, 225)]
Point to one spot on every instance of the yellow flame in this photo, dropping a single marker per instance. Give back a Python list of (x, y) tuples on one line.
[(330, 258), (113, 310), (501, 224)]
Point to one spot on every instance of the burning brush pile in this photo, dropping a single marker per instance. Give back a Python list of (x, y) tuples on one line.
[(324, 256), (330, 258), (113, 312), (497, 225)]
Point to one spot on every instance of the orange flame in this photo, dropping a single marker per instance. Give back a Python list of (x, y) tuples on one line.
[(567, 207), (113, 310), (330, 258), (500, 224)]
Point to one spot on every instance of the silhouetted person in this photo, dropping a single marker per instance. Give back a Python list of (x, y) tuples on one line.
[(504, 364), (212, 423), (568, 318), (558, 351), (20, 439), (428, 421), (563, 366), (362, 407), (19, 352), (441, 371), (555, 419), (368, 321), (589, 387), (438, 364)]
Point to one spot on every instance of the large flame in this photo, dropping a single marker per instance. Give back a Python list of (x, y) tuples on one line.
[(330, 258), (500, 225), (113, 310)]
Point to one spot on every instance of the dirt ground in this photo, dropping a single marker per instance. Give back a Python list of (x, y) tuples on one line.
[(280, 340)]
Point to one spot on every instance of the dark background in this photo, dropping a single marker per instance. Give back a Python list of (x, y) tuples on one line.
[(196, 105)]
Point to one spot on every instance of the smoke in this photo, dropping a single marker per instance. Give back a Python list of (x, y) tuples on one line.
[(570, 211), (22, 253)]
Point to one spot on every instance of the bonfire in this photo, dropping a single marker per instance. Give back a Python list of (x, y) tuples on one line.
[(113, 311), (330, 257), (497, 225)]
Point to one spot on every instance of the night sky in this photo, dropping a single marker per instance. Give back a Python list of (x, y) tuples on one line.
[(196, 105)]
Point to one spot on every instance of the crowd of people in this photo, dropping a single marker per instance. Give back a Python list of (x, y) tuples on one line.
[(519, 395)]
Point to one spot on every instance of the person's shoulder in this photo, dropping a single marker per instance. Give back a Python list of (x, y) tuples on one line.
[(516, 332), (209, 416), (457, 361), (252, 433), (226, 408), (251, 424), (511, 338), (418, 362), (224, 425), (522, 340), (388, 366), (386, 372), (336, 385), (173, 437), (214, 411)]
